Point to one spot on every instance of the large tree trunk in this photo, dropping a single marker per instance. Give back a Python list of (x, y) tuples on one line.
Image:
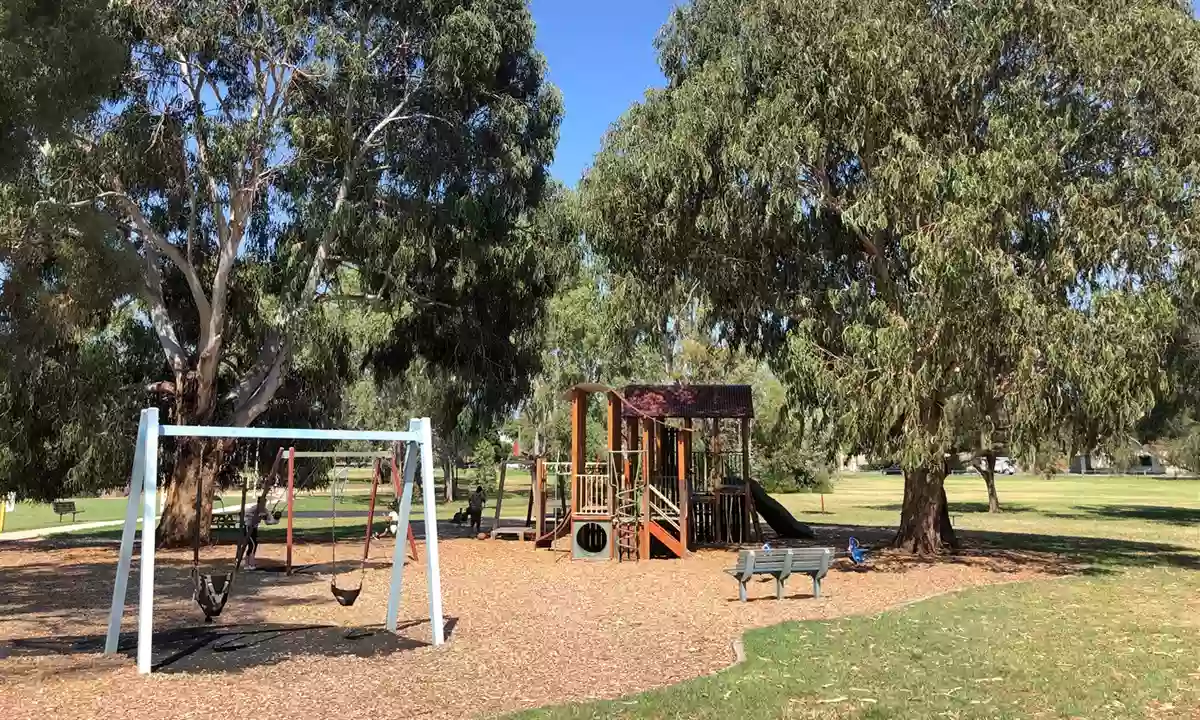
[(500, 492), (198, 461), (925, 516), (989, 478), (448, 478)]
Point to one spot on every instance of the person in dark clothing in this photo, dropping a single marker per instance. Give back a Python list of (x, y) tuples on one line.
[(475, 508)]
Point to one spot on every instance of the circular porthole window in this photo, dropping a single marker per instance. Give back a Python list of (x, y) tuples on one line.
[(592, 537)]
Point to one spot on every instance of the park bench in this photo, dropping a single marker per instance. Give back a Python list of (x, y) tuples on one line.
[(782, 564), (65, 507), (222, 519)]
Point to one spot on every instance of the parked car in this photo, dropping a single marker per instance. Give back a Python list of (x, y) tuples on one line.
[(1004, 466)]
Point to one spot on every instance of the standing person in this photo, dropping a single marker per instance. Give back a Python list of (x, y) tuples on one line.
[(475, 508), (254, 516)]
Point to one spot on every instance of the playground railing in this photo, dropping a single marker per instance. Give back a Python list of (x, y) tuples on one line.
[(592, 493)]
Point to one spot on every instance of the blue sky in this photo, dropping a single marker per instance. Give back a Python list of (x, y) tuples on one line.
[(601, 55)]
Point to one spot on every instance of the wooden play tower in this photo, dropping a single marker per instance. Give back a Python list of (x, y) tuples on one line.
[(666, 484)]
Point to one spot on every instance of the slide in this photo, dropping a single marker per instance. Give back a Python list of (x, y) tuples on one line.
[(558, 531), (777, 516)]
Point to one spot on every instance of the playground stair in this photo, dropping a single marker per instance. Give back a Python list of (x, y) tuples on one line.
[(669, 540), (664, 522)]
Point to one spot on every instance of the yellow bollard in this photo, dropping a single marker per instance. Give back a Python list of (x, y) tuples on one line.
[(3, 512)]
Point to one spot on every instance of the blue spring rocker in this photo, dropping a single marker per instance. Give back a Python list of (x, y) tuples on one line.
[(857, 553)]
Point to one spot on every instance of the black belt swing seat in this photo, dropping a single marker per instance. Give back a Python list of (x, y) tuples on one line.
[(211, 590), (348, 595)]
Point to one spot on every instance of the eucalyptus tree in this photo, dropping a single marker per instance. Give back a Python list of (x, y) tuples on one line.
[(259, 147), (921, 210)]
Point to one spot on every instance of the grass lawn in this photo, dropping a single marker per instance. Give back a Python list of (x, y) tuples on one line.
[(1112, 647), (1057, 514), (1118, 641), (28, 516)]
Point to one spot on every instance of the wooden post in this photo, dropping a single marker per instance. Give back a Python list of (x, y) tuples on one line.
[(683, 448), (715, 479), (615, 463), (751, 513), (539, 496), (614, 422), (647, 462), (500, 492), (631, 428), (291, 502), (532, 492), (578, 444)]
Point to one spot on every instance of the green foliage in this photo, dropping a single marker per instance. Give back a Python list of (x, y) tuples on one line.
[(1172, 428), (937, 220), (258, 166), (58, 60), (487, 459), (69, 409)]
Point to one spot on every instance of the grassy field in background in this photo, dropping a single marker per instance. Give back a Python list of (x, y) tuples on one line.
[(28, 516), (1145, 509)]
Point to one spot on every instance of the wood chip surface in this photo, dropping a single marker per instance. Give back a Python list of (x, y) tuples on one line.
[(526, 628)]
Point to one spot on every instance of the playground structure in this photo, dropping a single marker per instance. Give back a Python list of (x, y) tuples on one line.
[(669, 480), (418, 440)]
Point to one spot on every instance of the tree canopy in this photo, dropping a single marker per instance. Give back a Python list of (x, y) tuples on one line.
[(931, 216), (255, 153)]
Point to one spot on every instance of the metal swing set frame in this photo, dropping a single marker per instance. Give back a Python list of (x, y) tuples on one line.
[(143, 490)]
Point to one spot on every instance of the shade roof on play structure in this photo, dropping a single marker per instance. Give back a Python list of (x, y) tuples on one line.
[(687, 401)]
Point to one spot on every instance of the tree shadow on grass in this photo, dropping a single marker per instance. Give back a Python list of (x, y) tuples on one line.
[(1011, 551), (1154, 513), (965, 508)]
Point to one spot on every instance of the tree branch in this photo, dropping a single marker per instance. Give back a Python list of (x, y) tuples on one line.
[(160, 319), (204, 164), (257, 389), (155, 239)]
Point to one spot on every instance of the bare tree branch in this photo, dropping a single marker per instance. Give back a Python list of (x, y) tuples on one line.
[(256, 391), (159, 317), (149, 233), (205, 165)]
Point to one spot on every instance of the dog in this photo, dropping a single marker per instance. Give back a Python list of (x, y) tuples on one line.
[(460, 517)]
